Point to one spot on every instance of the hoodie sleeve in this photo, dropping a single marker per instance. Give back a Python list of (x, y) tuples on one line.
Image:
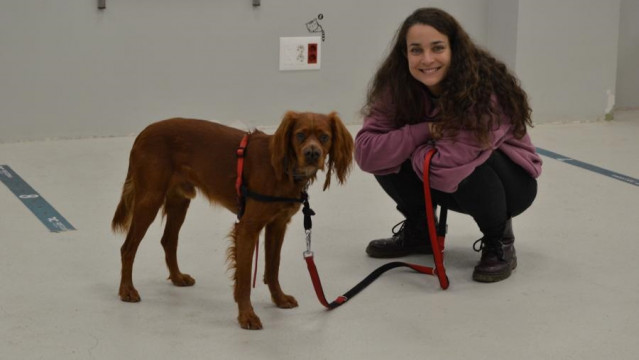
[(381, 146)]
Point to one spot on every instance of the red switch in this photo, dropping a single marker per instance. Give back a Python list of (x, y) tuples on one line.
[(312, 53)]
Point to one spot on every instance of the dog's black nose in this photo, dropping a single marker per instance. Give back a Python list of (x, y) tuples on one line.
[(311, 155)]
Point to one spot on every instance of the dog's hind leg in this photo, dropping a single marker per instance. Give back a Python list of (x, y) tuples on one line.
[(146, 206), (176, 205), (274, 237)]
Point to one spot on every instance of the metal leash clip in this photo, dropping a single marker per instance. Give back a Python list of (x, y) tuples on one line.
[(308, 252)]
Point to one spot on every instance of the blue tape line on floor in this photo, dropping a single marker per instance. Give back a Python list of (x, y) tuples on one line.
[(593, 168), (36, 203)]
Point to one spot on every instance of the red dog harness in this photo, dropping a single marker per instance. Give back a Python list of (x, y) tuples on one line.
[(241, 150)]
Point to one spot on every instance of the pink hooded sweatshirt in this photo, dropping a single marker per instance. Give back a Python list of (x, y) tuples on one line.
[(381, 146)]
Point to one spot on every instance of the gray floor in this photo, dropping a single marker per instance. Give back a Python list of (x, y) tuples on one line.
[(575, 294)]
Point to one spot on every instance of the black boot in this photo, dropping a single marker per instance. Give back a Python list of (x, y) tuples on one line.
[(404, 241), (498, 257)]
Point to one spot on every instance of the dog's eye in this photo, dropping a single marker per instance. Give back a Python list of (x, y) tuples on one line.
[(324, 138), (300, 136)]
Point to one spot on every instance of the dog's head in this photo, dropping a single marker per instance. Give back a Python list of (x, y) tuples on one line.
[(307, 142)]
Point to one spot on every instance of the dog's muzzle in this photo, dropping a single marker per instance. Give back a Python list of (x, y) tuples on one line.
[(312, 155)]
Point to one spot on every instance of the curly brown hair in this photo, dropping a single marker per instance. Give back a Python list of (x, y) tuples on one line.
[(466, 100)]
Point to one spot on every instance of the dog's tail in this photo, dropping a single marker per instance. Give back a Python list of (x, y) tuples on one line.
[(123, 214)]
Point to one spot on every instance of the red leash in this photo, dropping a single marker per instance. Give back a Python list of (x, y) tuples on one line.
[(436, 237), (436, 232)]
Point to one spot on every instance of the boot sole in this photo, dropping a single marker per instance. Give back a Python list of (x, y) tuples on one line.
[(494, 277)]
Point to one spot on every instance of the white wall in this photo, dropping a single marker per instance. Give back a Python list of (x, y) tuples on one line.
[(502, 30), (567, 57), (628, 65), (69, 70)]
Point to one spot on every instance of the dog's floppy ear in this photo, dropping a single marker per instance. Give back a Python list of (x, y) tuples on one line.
[(281, 154), (341, 152)]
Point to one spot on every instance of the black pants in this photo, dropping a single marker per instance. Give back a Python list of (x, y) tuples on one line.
[(496, 191)]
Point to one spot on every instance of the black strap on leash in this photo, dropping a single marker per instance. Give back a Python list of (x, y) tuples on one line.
[(340, 300)]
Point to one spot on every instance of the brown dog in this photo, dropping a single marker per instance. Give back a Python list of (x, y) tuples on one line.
[(171, 158)]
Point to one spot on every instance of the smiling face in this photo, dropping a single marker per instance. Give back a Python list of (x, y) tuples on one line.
[(428, 53)]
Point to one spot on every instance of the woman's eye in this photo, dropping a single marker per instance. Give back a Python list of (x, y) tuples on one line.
[(415, 51), (438, 49)]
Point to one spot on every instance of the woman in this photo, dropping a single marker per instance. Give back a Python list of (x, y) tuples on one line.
[(437, 89)]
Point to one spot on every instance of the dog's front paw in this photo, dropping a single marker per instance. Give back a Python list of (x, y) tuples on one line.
[(129, 294), (285, 301), (182, 280), (248, 320)]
